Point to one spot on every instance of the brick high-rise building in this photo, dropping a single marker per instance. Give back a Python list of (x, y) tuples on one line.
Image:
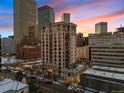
[(24, 17), (58, 42)]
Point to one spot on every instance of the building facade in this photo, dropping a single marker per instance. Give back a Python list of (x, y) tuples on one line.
[(120, 29), (101, 28), (29, 52), (58, 42), (45, 16), (82, 53), (29, 47), (107, 49), (24, 17), (107, 55), (8, 46), (66, 17), (102, 79), (81, 41)]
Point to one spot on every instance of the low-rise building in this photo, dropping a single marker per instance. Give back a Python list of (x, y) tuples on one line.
[(13, 86), (29, 48), (82, 53), (102, 78), (8, 46), (29, 52)]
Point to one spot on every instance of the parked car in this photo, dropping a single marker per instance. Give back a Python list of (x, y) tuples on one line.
[(72, 86)]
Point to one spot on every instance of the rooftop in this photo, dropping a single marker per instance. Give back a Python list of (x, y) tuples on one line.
[(9, 84), (106, 74), (121, 70), (44, 7)]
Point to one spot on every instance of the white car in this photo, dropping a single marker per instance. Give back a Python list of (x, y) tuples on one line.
[(79, 90), (55, 82), (72, 86)]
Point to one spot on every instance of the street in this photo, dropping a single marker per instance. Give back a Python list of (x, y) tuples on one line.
[(46, 87)]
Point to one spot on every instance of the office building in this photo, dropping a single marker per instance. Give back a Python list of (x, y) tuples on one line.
[(66, 17), (81, 41), (58, 42), (120, 29), (45, 16), (107, 54), (24, 17), (8, 46), (107, 49), (101, 28)]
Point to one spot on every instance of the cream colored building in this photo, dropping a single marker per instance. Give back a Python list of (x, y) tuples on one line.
[(82, 53), (58, 42), (107, 49)]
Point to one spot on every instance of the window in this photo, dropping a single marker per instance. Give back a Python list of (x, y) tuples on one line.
[(68, 28)]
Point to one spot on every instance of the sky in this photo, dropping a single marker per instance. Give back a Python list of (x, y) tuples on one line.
[(84, 13)]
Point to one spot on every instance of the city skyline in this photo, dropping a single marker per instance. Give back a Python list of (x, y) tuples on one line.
[(84, 13)]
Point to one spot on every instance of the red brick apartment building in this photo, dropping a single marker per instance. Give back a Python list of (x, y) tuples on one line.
[(29, 52), (29, 47)]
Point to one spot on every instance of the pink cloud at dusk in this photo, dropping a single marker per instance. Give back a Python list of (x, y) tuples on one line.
[(101, 17), (2, 28), (74, 7), (55, 3), (84, 13)]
